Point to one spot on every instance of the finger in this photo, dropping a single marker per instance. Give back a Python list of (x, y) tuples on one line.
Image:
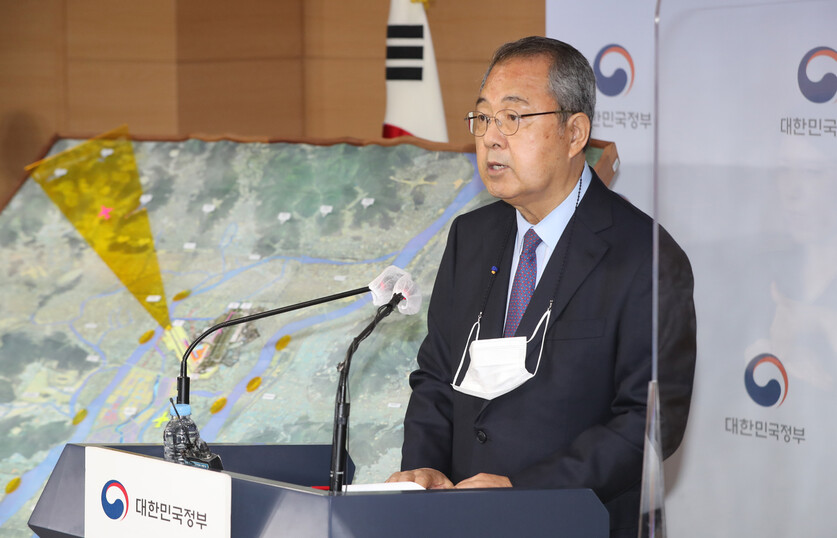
[(484, 480), (398, 477), (468, 483), (432, 479), (440, 482), (424, 477), (421, 478)]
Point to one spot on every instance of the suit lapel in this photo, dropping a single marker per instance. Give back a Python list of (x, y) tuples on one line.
[(580, 249), (494, 315), (499, 248), (583, 250)]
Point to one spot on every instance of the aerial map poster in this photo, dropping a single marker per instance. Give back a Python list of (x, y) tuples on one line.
[(118, 253)]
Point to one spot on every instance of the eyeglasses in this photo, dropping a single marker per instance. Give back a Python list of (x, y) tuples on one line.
[(507, 120)]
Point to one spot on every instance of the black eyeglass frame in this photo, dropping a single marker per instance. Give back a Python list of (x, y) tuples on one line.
[(469, 118)]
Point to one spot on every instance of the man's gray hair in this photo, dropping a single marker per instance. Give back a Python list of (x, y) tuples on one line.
[(571, 79)]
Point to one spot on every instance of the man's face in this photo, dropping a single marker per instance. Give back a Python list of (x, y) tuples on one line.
[(533, 169)]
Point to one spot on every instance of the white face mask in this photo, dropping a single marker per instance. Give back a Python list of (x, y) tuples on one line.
[(498, 365)]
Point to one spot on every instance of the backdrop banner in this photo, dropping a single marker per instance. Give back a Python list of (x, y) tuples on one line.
[(619, 44), (747, 153), (748, 149)]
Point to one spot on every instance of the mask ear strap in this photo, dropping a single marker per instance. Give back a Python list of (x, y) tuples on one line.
[(543, 337), (475, 326)]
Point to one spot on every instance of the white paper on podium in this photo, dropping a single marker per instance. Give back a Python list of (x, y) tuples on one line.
[(383, 486), (134, 496)]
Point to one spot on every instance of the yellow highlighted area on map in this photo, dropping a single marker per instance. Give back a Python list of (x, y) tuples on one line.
[(13, 484), (146, 336), (80, 416), (182, 295), (96, 186), (253, 384), (283, 342), (217, 405)]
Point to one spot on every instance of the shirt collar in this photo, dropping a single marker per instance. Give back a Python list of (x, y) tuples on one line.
[(550, 228)]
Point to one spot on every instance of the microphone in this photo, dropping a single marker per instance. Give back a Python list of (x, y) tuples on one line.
[(382, 286), (411, 293), (406, 296), (396, 280)]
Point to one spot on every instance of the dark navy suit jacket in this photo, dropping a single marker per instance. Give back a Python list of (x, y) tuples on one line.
[(580, 422)]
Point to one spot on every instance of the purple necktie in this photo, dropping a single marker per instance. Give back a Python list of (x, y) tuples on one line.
[(524, 282)]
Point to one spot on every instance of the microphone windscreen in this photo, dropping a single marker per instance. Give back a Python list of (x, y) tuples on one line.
[(411, 292), (384, 283)]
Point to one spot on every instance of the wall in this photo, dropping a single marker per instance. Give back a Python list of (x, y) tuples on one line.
[(32, 83), (288, 68), (240, 67)]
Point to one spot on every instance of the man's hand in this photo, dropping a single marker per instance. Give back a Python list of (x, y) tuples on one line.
[(424, 477), (485, 480)]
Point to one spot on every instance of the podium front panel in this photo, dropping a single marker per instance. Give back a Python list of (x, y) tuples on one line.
[(265, 507), (483, 512)]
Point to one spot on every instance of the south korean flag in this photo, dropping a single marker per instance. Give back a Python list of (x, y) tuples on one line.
[(414, 98)]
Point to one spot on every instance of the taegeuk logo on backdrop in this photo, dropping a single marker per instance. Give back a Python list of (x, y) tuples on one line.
[(619, 81), (617, 61), (772, 393), (822, 90)]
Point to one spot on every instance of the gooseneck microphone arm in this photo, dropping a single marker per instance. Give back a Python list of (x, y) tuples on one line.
[(183, 379), (339, 454)]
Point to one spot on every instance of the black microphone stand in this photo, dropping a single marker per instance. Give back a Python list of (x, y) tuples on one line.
[(339, 454), (183, 379)]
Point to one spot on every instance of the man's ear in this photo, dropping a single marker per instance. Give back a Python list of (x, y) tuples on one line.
[(578, 129)]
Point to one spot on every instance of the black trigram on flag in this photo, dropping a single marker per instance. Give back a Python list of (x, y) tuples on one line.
[(410, 39)]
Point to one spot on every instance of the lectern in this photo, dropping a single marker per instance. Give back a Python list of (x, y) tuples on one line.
[(272, 495)]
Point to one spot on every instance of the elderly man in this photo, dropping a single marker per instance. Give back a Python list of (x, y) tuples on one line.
[(536, 365)]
